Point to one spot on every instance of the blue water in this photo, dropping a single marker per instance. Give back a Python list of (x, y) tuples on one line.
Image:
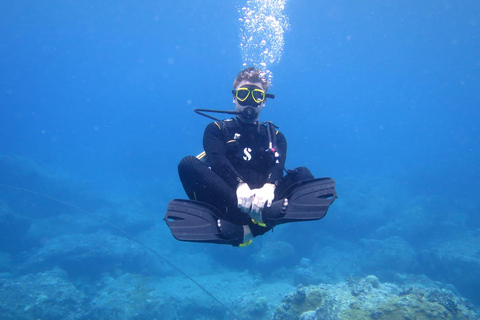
[(96, 102)]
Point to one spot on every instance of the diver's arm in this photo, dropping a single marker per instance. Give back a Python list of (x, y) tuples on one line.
[(214, 146), (264, 196)]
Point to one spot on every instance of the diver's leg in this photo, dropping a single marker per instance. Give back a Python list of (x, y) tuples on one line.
[(292, 177), (257, 230), (304, 201), (271, 216), (202, 184)]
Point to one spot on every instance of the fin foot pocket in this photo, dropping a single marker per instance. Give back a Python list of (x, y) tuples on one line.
[(307, 200)]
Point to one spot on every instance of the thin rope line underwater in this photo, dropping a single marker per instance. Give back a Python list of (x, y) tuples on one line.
[(132, 238)]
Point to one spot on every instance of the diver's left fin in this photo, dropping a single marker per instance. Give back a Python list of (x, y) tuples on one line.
[(307, 200)]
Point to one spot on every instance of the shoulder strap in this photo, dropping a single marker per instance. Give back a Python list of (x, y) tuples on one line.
[(272, 135)]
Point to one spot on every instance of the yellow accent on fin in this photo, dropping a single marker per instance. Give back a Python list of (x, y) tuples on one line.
[(194, 195), (218, 126), (249, 242), (201, 155), (258, 223)]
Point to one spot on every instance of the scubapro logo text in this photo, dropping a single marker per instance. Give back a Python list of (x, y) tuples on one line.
[(247, 156)]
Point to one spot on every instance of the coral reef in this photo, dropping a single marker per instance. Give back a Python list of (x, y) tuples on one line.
[(90, 255), (456, 261), (46, 295), (273, 254), (325, 270), (387, 257), (306, 273), (130, 297), (57, 263), (367, 298)]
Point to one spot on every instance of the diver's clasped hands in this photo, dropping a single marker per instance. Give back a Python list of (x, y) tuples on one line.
[(244, 197), (263, 196), (252, 201)]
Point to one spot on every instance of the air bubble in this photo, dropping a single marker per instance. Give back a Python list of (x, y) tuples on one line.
[(261, 36)]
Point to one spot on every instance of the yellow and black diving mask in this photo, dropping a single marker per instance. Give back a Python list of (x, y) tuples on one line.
[(250, 95)]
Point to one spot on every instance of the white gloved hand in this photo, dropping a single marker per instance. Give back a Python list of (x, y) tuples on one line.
[(244, 197), (263, 196)]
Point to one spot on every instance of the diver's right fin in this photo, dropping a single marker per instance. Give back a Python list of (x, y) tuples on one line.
[(197, 221), (307, 200)]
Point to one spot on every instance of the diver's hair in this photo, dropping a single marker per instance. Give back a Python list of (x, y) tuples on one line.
[(252, 74)]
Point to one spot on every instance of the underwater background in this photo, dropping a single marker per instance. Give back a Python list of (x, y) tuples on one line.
[(96, 111)]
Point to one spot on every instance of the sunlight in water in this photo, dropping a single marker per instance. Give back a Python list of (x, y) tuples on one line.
[(262, 33)]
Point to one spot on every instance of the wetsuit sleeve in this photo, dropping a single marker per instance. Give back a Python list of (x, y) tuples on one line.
[(214, 146), (276, 170)]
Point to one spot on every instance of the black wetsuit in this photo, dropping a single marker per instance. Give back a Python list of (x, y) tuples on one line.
[(238, 152)]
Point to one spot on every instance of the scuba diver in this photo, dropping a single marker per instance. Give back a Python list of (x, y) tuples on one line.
[(236, 187)]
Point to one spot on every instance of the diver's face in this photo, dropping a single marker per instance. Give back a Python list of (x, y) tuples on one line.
[(257, 107)]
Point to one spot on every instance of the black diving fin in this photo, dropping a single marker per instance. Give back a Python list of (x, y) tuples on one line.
[(197, 221), (307, 200)]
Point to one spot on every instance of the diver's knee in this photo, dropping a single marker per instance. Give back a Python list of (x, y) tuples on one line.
[(303, 173), (186, 161), (187, 165)]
